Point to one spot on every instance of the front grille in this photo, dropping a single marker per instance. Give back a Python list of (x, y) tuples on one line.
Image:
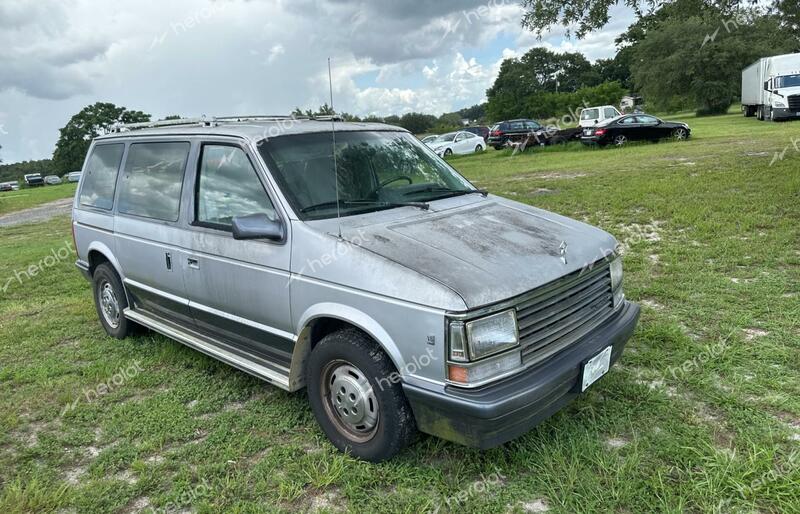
[(794, 103), (560, 313)]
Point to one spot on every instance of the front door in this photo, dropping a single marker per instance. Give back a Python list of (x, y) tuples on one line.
[(238, 290)]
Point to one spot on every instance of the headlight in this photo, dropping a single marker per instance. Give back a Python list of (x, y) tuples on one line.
[(492, 334), (616, 281), (778, 104)]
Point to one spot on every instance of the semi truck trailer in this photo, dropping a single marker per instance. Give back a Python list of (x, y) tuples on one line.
[(771, 88)]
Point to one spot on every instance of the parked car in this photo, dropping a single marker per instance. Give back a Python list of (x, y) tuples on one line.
[(74, 176), (458, 143), (479, 131), (34, 179), (634, 127), (592, 116), (52, 180), (9, 186), (401, 297), (513, 131)]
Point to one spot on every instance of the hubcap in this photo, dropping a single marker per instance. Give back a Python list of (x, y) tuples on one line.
[(349, 400), (680, 134), (620, 140), (109, 305)]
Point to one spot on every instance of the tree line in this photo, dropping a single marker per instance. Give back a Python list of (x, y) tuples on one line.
[(678, 54)]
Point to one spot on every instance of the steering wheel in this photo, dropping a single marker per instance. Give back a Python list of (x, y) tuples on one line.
[(394, 179)]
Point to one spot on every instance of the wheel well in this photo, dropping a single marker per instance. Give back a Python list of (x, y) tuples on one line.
[(321, 327), (96, 258)]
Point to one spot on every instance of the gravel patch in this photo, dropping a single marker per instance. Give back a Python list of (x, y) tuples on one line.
[(43, 212)]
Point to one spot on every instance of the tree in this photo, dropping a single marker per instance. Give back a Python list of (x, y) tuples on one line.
[(417, 122), (92, 121), (679, 61), (590, 15)]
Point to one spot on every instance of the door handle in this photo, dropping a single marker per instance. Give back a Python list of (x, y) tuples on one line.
[(193, 263), (168, 259)]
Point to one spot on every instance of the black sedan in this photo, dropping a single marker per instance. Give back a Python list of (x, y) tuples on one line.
[(634, 127)]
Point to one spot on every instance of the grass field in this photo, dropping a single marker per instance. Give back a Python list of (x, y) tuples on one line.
[(16, 200), (701, 415)]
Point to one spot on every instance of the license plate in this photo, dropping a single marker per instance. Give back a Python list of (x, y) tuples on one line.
[(596, 368)]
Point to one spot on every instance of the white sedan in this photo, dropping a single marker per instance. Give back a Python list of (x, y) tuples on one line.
[(457, 143)]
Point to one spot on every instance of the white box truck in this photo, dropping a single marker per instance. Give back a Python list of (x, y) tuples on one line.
[(771, 88)]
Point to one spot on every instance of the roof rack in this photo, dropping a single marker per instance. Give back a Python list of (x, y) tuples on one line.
[(217, 120)]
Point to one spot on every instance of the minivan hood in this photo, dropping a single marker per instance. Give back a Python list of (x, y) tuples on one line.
[(488, 251)]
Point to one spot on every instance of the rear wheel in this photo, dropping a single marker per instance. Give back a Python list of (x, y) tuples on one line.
[(356, 397), (111, 302), (620, 140)]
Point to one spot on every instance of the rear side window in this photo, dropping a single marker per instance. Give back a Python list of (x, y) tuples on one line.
[(152, 180), (100, 176), (228, 187)]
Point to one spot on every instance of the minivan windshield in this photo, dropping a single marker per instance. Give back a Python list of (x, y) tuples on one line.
[(376, 170)]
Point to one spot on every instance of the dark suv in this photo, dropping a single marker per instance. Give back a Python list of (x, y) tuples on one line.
[(479, 131), (515, 131)]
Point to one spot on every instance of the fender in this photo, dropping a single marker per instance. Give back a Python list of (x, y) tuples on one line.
[(355, 317), (97, 246)]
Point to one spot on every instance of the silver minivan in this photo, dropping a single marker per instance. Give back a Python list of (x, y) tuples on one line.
[(349, 260)]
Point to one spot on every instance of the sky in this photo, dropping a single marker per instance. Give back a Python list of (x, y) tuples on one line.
[(236, 57)]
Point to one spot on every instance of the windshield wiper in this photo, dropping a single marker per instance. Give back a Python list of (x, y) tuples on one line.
[(452, 192), (345, 203)]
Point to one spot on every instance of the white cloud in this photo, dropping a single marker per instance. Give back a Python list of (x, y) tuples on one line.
[(194, 57)]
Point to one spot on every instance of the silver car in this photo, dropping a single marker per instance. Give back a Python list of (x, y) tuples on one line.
[(356, 264)]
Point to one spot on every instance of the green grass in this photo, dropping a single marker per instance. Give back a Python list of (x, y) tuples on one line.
[(25, 198), (711, 236)]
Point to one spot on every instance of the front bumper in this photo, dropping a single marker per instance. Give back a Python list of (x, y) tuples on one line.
[(495, 414), (785, 114)]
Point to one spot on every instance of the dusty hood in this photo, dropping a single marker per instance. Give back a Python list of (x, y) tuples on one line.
[(488, 252)]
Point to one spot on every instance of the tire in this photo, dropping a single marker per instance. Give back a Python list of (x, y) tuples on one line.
[(478, 149), (349, 369), (448, 152), (680, 134), (620, 140), (110, 302)]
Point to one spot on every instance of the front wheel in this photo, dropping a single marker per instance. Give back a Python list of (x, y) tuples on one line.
[(356, 397), (681, 134), (448, 152), (478, 149)]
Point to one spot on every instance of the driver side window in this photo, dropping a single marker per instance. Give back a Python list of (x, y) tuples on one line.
[(227, 186)]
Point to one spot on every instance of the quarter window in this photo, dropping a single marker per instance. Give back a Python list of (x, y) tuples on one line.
[(100, 176), (228, 187), (152, 181)]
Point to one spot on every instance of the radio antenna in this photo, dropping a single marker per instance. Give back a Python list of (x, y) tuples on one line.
[(333, 144)]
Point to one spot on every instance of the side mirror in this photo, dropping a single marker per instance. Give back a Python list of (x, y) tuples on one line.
[(257, 226)]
